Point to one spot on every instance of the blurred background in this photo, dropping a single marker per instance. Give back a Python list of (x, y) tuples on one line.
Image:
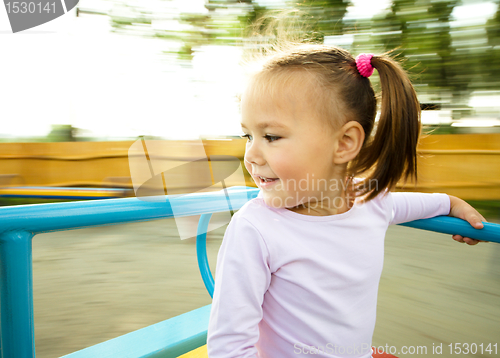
[(114, 70), (77, 92)]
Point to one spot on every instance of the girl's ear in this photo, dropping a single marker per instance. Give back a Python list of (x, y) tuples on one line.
[(350, 142)]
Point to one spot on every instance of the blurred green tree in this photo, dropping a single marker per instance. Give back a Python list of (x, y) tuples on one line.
[(419, 34), (448, 63), (219, 22), (493, 53), (62, 133), (326, 17), (493, 28), (224, 21)]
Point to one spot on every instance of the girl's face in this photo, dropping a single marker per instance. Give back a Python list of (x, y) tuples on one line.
[(291, 146)]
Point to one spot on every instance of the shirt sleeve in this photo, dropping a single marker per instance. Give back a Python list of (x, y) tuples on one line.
[(413, 206), (242, 278)]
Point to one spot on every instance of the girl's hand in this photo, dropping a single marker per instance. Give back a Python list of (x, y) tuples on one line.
[(460, 209)]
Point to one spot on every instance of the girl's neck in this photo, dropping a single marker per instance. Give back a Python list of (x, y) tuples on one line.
[(334, 204)]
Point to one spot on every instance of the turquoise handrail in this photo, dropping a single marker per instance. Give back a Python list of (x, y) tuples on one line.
[(18, 225)]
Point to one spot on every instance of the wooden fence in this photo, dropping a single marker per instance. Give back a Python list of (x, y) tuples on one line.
[(466, 165)]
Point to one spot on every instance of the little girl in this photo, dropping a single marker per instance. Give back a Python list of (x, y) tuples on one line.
[(299, 266)]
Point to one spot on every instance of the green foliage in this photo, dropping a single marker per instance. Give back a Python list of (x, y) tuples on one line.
[(325, 16), (62, 133), (444, 61), (420, 34), (223, 22), (492, 58), (31, 201)]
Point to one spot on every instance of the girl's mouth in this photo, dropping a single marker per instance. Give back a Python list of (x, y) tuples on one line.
[(266, 182)]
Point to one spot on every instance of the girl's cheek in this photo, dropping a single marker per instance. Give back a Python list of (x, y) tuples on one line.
[(248, 168), (285, 168)]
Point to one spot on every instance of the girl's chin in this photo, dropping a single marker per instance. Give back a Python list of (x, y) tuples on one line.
[(272, 201)]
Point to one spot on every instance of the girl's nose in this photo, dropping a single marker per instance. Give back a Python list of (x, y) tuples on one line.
[(253, 155)]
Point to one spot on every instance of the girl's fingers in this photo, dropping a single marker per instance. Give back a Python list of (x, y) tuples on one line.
[(475, 220), (470, 241), (466, 240)]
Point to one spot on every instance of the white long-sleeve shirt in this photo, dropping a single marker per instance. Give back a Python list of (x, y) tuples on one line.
[(291, 285)]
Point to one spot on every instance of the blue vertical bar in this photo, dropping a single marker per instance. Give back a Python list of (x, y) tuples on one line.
[(201, 253), (16, 295)]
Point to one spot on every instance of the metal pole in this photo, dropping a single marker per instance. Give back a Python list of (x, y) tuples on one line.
[(16, 295), (201, 253)]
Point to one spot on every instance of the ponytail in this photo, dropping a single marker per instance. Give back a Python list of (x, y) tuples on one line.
[(392, 153)]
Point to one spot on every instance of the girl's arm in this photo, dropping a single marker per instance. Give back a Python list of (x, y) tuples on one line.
[(242, 278), (414, 206)]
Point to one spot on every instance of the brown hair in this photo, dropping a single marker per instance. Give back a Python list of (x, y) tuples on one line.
[(389, 154)]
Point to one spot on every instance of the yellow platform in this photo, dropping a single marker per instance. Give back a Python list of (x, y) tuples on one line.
[(197, 353), (58, 192)]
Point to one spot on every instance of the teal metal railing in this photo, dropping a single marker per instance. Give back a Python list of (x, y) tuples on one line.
[(170, 338)]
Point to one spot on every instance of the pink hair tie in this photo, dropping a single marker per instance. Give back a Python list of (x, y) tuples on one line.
[(364, 65)]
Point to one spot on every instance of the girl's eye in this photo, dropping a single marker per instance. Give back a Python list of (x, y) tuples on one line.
[(271, 138)]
